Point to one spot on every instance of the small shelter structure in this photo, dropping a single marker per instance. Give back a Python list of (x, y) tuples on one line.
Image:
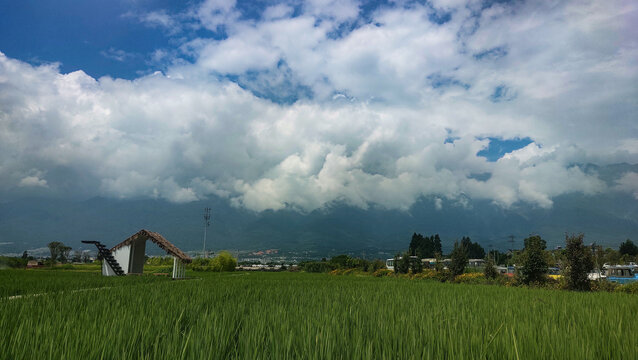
[(129, 255), (34, 264)]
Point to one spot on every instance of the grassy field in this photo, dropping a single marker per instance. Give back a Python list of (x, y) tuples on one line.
[(299, 315)]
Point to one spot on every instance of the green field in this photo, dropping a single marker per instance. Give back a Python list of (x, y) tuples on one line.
[(300, 315)]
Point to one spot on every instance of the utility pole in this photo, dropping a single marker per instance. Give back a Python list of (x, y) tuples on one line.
[(206, 225)]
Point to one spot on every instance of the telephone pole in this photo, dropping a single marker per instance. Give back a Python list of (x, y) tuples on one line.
[(206, 225)]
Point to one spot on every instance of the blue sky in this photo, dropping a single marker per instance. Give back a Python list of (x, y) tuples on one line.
[(96, 36), (81, 35), (299, 104)]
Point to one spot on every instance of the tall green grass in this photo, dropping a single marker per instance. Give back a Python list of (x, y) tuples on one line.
[(317, 316), (37, 281)]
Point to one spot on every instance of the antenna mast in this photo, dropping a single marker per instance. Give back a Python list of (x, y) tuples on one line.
[(206, 225)]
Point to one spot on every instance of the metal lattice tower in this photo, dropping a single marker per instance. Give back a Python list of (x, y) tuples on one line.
[(206, 225)]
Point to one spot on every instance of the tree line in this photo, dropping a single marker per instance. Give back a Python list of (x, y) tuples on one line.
[(576, 260)]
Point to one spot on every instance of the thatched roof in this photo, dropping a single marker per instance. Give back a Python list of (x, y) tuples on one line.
[(157, 239)]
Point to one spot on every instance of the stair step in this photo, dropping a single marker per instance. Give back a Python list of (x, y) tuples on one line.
[(106, 254)]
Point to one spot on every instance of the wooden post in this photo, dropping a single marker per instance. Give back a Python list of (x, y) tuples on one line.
[(179, 268), (175, 263)]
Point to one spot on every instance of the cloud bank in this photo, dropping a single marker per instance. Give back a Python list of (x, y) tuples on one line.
[(321, 102)]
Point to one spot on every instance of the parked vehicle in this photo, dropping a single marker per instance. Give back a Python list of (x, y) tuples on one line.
[(622, 274)]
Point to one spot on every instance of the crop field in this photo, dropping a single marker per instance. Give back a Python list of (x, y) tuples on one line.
[(300, 315)]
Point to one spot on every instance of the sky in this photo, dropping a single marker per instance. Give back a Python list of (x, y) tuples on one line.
[(302, 104)]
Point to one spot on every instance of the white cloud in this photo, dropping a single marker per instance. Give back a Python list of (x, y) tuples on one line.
[(629, 183), (384, 97), (117, 54), (32, 181)]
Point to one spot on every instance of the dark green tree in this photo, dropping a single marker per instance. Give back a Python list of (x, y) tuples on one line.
[(437, 245), (628, 248), (579, 262), (458, 259), (474, 250), (533, 261), (403, 265), (424, 246)]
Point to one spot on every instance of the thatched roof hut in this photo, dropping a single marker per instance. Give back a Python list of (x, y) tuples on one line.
[(159, 240)]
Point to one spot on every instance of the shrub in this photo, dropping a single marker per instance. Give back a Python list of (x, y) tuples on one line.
[(490, 271), (444, 275), (631, 288), (382, 273), (555, 283), (604, 285), (224, 261), (317, 266), (425, 274), (470, 278), (12, 262)]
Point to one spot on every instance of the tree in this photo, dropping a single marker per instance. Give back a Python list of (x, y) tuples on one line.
[(403, 265), (579, 262), (77, 256), (628, 248), (498, 257), (543, 243), (474, 250), (438, 265), (54, 249), (342, 261), (424, 246), (25, 255), (533, 261), (458, 259), (224, 261), (437, 245), (416, 266), (64, 253), (490, 271)]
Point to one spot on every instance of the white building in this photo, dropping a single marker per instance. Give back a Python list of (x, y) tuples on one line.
[(129, 255)]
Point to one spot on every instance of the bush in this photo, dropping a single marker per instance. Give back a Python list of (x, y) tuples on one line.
[(490, 271), (470, 278), (444, 275), (555, 283), (604, 285), (382, 273), (317, 266), (631, 288), (224, 261), (12, 262), (376, 265), (425, 274)]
